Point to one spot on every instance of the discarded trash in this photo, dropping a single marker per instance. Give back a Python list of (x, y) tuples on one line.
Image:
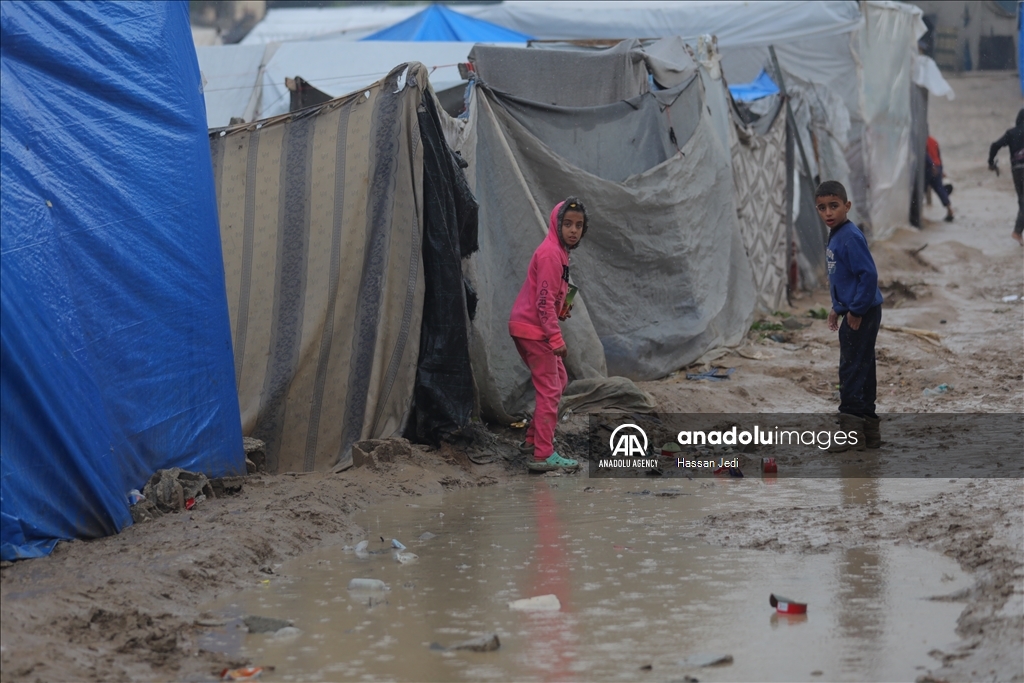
[(287, 633), (396, 544), (406, 558), (1008, 299), (362, 546), (367, 585), (539, 603), (780, 338), (192, 502), (257, 624), (701, 660), (818, 313), (487, 643), (713, 375), (768, 466), (787, 606), (426, 536), (135, 496), (518, 425), (731, 471), (941, 389), (927, 335), (670, 450), (247, 673)]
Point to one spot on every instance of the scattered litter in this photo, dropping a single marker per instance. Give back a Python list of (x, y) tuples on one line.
[(406, 558), (518, 425), (786, 606), (488, 643), (702, 660), (287, 633), (192, 502), (755, 355), (731, 471), (768, 466), (780, 338), (135, 496), (670, 450), (937, 391), (539, 603), (362, 546), (714, 374), (396, 544), (426, 536), (168, 491), (818, 313), (257, 624), (1011, 297), (942, 322), (367, 585), (927, 335), (248, 673)]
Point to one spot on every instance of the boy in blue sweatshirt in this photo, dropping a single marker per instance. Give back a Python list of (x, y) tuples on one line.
[(853, 284)]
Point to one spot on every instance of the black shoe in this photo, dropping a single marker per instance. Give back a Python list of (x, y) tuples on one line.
[(948, 218)]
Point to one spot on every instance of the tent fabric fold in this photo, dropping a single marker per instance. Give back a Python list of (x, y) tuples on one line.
[(663, 275)]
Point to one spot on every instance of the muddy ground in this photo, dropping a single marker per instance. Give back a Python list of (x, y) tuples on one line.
[(127, 607)]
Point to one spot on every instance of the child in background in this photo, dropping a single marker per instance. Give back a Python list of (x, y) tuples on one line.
[(933, 176), (853, 284), (535, 331)]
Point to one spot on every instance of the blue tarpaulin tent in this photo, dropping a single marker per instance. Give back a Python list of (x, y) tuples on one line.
[(762, 86), (438, 23), (115, 348)]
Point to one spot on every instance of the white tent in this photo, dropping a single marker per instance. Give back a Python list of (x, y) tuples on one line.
[(861, 54), (248, 81), (310, 23)]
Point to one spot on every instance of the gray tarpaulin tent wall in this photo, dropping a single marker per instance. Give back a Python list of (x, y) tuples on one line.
[(343, 228), (663, 274)]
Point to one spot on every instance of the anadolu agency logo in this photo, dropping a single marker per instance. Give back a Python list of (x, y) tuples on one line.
[(628, 446)]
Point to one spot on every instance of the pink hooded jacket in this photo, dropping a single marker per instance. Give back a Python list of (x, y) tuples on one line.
[(535, 312)]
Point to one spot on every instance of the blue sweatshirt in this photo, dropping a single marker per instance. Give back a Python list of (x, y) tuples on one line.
[(852, 276)]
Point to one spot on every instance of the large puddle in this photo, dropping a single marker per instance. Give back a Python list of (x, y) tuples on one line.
[(635, 587)]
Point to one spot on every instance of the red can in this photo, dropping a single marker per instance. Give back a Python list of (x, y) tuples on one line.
[(786, 606), (768, 466)]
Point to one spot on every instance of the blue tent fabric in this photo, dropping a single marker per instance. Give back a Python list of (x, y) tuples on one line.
[(115, 348), (438, 23), (762, 86)]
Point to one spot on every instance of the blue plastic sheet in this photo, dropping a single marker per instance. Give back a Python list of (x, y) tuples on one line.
[(438, 23), (115, 351), (762, 86)]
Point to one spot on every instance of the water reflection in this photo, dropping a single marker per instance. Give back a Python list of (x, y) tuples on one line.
[(636, 588)]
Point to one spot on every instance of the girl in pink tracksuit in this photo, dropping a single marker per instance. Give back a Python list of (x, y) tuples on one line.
[(534, 325)]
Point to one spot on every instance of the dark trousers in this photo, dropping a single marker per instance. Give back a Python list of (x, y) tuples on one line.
[(1018, 184), (933, 176), (857, 384)]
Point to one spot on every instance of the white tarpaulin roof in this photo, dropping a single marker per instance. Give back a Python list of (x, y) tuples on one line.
[(738, 23), (236, 85), (308, 23)]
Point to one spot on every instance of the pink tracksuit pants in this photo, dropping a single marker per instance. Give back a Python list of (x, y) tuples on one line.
[(549, 379)]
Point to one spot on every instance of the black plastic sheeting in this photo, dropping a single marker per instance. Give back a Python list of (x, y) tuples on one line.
[(443, 398)]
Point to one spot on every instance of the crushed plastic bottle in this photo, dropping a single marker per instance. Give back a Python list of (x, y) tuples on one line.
[(367, 585), (941, 389)]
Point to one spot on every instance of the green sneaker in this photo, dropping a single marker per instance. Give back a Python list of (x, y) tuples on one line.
[(558, 461)]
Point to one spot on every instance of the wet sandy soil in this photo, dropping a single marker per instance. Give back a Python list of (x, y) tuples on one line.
[(126, 607)]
